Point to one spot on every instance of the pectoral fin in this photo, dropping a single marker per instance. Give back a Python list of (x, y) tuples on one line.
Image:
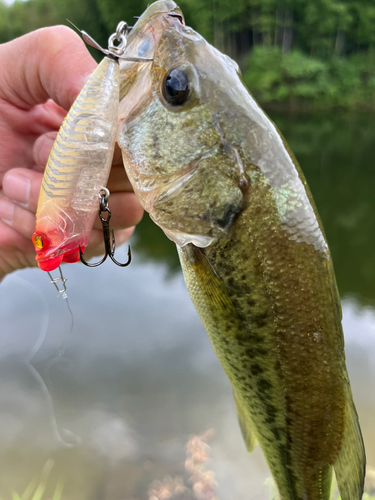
[(351, 463), (245, 425), (208, 293), (217, 312)]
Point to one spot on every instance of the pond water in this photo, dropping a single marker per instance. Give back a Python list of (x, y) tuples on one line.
[(103, 410)]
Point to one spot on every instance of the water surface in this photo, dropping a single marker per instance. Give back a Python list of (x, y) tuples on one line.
[(106, 409)]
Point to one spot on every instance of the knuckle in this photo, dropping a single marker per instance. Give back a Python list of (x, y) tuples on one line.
[(58, 37)]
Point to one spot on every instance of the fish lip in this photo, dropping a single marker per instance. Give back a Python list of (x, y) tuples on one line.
[(178, 16), (161, 8), (164, 14)]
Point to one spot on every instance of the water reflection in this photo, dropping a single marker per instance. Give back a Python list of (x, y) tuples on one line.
[(139, 377)]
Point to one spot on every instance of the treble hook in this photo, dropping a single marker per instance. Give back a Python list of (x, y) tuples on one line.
[(115, 51), (109, 239)]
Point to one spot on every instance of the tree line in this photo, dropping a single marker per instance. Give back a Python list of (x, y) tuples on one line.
[(293, 53)]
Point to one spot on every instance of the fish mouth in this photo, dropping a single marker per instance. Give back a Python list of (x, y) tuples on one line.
[(144, 38), (161, 7)]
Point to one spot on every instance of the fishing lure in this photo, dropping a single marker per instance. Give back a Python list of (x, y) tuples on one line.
[(80, 162)]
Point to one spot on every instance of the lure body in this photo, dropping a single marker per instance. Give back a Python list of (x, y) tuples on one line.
[(80, 160), (77, 168)]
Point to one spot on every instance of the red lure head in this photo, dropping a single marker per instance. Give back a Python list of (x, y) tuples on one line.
[(42, 244), (52, 250)]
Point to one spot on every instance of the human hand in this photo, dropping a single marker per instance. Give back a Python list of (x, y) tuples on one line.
[(41, 74)]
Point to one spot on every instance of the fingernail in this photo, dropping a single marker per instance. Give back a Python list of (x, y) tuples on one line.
[(42, 148), (6, 211), (17, 188)]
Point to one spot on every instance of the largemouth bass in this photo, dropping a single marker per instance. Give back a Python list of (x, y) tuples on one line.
[(217, 176)]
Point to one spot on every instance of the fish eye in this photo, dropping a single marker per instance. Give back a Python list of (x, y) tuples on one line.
[(176, 87)]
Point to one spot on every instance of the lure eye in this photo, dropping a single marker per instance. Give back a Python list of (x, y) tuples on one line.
[(41, 242), (38, 241), (176, 87)]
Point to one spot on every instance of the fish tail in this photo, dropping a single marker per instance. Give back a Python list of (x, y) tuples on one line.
[(350, 465)]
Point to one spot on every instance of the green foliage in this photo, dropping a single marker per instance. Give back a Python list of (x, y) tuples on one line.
[(152, 244), (315, 53), (274, 76), (36, 490), (298, 79)]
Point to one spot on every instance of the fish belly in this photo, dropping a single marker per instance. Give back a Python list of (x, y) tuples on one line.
[(269, 305)]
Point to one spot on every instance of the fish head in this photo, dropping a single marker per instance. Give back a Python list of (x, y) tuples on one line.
[(143, 39), (178, 131)]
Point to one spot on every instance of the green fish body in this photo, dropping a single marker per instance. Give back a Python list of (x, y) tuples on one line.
[(216, 175)]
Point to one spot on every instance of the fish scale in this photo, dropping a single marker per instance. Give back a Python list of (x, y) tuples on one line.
[(238, 353), (244, 351)]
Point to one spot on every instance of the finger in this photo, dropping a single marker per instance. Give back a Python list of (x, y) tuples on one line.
[(16, 250), (96, 245), (126, 211), (20, 129), (57, 111), (17, 217), (12, 241), (47, 63), (42, 118), (42, 148), (22, 186), (117, 156), (118, 180)]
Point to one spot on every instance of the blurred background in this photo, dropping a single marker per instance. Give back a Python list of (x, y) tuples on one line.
[(294, 54), (129, 402)]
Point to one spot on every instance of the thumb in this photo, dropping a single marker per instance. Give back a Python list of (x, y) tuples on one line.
[(47, 63)]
